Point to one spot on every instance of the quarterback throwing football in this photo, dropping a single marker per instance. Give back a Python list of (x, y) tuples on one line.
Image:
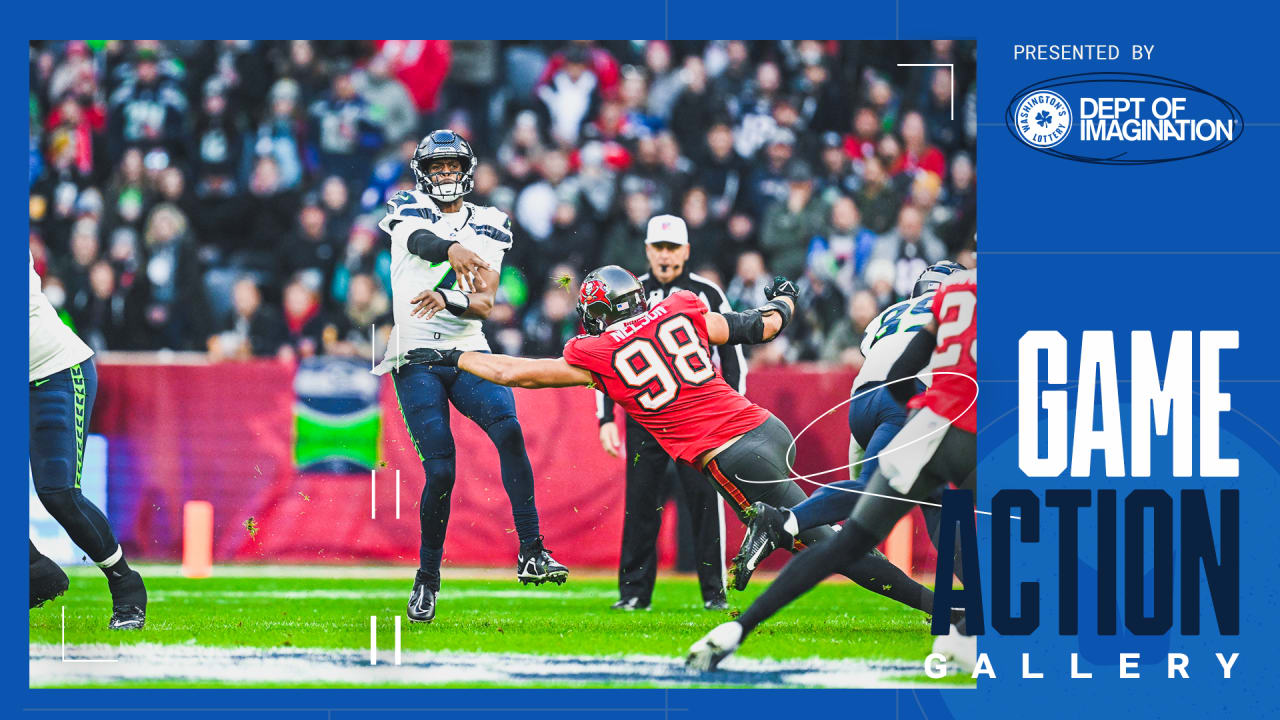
[(445, 256)]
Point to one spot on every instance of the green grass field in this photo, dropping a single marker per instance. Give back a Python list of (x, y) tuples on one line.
[(490, 631)]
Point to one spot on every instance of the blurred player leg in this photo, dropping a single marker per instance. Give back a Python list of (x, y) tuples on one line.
[(916, 477), (60, 408), (749, 470), (493, 408)]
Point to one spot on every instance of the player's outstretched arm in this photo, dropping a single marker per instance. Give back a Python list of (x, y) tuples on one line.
[(757, 325), (504, 369)]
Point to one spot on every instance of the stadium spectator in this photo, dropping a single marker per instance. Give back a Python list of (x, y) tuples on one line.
[(549, 325), (721, 173), (918, 155), (175, 309), (667, 83), (749, 281), (843, 247), (107, 320), (842, 343), (250, 330), (665, 131), (364, 255), (216, 143), (877, 200), (149, 110), (344, 130), (282, 133), (624, 245), (789, 226), (389, 102), (309, 251), (308, 328), (910, 248), (694, 108), (568, 93), (707, 241), (768, 184)]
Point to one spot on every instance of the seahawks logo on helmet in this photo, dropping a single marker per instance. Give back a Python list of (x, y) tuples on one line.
[(607, 295), (444, 144), (933, 276)]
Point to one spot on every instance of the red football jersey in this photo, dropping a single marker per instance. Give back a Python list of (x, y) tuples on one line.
[(955, 307), (658, 368)]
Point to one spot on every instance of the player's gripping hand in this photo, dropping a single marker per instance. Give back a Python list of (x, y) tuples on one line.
[(467, 265), (432, 356), (426, 304), (781, 287)]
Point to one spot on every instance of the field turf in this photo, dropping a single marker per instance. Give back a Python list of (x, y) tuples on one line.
[(291, 615)]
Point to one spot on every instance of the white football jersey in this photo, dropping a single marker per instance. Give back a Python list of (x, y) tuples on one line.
[(54, 347), (889, 334), (484, 230)]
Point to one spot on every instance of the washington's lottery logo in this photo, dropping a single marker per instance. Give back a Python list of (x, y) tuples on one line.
[(1043, 118), (1114, 118)]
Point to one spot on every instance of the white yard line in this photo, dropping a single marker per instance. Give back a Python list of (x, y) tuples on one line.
[(179, 664)]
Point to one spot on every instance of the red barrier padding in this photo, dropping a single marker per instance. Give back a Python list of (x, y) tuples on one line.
[(224, 433)]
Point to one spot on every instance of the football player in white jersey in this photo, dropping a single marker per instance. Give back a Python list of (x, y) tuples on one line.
[(874, 419), (445, 258), (62, 384)]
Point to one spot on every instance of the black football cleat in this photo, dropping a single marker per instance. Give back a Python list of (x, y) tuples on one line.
[(764, 535), (719, 602), (47, 581), (128, 603), (629, 604), (715, 646), (422, 602), (535, 565)]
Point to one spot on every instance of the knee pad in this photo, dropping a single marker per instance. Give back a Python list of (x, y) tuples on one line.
[(506, 434), (53, 475), (439, 472), (60, 503)]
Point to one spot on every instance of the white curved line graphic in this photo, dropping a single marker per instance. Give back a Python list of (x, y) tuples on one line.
[(886, 451)]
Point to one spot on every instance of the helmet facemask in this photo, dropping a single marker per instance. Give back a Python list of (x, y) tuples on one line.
[(442, 145)]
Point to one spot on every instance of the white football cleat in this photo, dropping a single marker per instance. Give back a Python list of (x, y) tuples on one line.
[(959, 649), (715, 646)]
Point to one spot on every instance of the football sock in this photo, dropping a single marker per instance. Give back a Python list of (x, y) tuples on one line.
[(429, 563), (35, 554), (517, 476), (83, 521), (115, 567), (791, 524)]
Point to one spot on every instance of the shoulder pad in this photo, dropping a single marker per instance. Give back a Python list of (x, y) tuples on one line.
[(406, 204), (491, 222)]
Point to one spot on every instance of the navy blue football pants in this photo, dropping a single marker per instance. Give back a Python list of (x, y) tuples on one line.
[(59, 409), (874, 419), (424, 393)]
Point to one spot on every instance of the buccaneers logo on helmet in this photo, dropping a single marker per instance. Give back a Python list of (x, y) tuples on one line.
[(592, 292)]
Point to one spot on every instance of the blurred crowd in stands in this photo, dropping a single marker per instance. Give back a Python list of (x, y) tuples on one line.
[(223, 197)]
